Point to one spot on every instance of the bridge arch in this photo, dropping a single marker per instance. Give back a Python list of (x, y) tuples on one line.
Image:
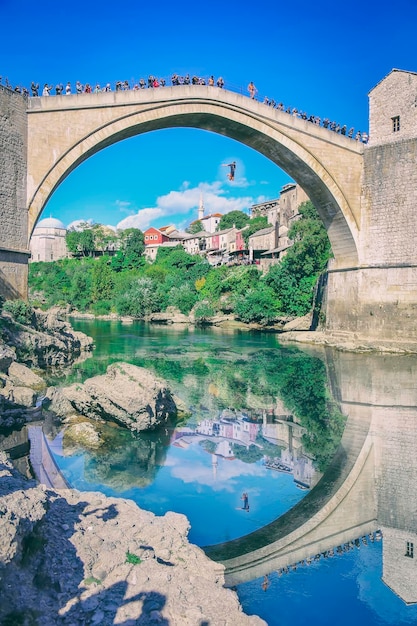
[(64, 131)]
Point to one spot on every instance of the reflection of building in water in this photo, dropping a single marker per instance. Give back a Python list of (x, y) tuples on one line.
[(285, 432), (239, 430), (224, 448)]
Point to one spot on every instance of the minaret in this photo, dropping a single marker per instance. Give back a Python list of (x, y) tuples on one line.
[(214, 464), (201, 208)]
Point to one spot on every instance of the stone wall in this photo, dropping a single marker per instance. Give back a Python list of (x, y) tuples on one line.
[(378, 298), (13, 209), (394, 96)]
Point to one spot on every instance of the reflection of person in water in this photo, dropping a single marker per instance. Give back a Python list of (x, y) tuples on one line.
[(245, 499), (265, 583)]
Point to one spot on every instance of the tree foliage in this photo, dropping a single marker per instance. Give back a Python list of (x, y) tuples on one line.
[(257, 305), (294, 278), (194, 227), (254, 224), (131, 248), (234, 218)]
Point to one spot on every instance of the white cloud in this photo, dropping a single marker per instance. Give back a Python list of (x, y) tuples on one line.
[(76, 224), (142, 219), (186, 200), (125, 207)]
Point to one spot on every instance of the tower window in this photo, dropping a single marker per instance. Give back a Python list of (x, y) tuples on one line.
[(409, 549), (395, 124)]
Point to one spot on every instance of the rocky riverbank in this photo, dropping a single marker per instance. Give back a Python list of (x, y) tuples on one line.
[(81, 558), (26, 351)]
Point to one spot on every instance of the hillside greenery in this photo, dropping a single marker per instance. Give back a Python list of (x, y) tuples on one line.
[(126, 284)]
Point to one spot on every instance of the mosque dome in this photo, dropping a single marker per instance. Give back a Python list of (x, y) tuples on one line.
[(51, 222)]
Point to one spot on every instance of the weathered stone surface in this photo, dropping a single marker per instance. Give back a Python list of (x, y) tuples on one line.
[(7, 356), (58, 402), (127, 394), (82, 433), (298, 323), (50, 342), (22, 396), (82, 558), (171, 316), (21, 375)]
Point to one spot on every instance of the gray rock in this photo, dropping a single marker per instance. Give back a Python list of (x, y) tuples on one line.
[(298, 323), (130, 395), (7, 356), (82, 433), (21, 375), (22, 396)]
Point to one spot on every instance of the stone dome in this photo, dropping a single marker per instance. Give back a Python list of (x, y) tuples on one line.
[(51, 222)]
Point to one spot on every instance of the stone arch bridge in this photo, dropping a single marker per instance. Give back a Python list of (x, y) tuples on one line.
[(363, 196)]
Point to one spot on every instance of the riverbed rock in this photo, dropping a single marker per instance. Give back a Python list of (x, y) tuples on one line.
[(172, 315), (129, 395), (22, 396), (48, 342), (7, 356), (80, 558), (298, 323), (82, 433), (21, 375)]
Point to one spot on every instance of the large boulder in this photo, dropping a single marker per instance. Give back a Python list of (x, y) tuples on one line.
[(130, 395), (21, 375)]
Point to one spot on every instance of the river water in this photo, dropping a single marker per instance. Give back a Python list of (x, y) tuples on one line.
[(265, 419)]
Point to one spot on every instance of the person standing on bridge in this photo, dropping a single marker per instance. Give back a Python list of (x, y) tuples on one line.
[(252, 90)]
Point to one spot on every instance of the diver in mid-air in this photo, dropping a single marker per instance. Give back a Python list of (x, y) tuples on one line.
[(232, 165)]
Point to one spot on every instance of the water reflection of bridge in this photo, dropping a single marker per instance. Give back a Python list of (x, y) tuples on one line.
[(370, 484)]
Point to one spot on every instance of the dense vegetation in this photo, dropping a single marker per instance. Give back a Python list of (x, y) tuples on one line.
[(128, 285)]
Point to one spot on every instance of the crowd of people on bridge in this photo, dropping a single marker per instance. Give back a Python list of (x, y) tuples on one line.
[(153, 82), (314, 119)]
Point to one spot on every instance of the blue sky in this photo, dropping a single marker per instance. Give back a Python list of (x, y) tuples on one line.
[(322, 57)]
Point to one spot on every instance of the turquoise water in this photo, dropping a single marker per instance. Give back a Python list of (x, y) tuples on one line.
[(344, 590), (241, 376)]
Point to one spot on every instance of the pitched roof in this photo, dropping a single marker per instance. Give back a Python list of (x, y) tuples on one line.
[(389, 73), (263, 231)]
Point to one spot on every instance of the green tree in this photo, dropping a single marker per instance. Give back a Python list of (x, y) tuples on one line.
[(234, 218), (194, 227), (254, 224), (203, 311), (72, 239), (141, 298), (294, 278), (86, 242), (257, 305), (183, 297), (131, 249), (104, 238), (20, 310), (240, 279), (102, 280)]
